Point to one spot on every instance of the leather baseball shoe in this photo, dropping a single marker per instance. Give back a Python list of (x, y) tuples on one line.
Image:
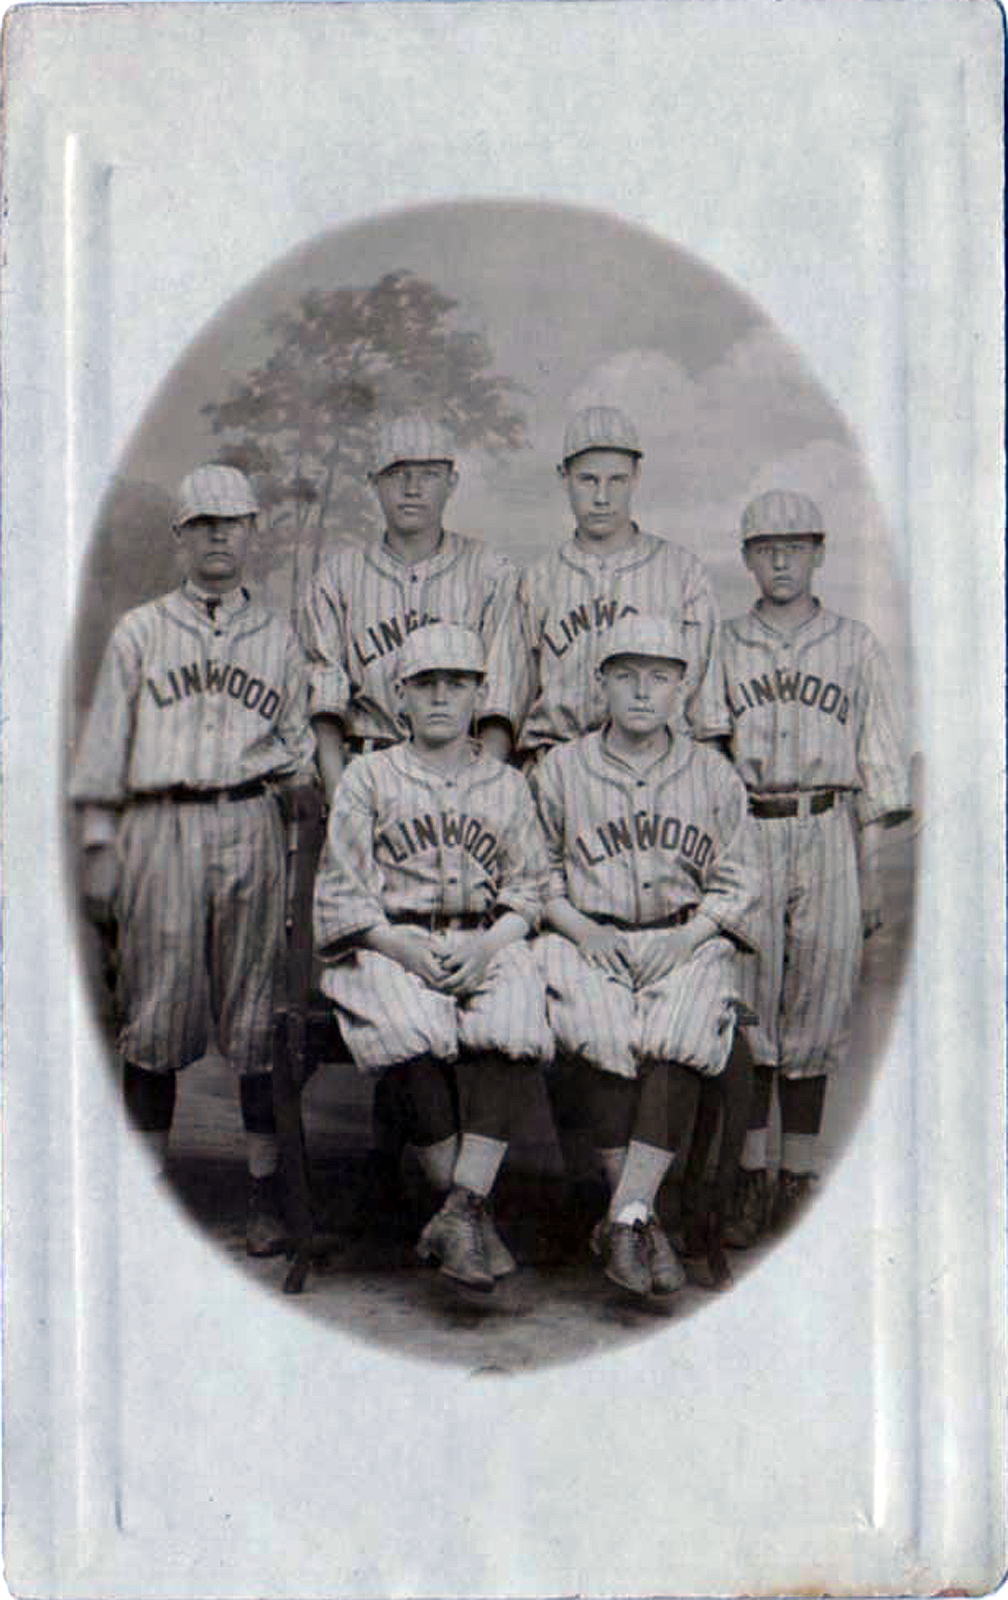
[(499, 1258), (628, 1257), (794, 1190), (749, 1216), (454, 1239), (667, 1272)]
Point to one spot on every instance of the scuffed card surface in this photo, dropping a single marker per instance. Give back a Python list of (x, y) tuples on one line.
[(774, 235)]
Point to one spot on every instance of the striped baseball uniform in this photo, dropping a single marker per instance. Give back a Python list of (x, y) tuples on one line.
[(567, 602), (443, 852), (365, 601), (814, 728), (192, 718), (644, 850)]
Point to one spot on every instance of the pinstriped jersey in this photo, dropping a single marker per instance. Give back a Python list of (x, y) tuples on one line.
[(183, 700), (365, 601), (641, 846), (570, 599), (815, 709), (405, 839)]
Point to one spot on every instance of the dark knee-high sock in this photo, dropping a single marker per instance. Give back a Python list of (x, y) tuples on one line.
[(610, 1105), (801, 1101), (255, 1090), (492, 1088), (149, 1100), (428, 1098), (666, 1108), (755, 1150)]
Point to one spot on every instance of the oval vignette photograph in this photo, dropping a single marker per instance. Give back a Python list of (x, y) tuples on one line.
[(493, 797)]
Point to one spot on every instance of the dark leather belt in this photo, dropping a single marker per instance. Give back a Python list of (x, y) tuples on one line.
[(439, 921), (675, 919), (180, 795), (792, 805)]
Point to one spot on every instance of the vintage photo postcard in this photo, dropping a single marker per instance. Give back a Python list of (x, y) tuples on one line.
[(503, 833)]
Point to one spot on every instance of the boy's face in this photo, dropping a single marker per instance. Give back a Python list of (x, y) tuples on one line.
[(600, 486), (413, 495), (784, 567), (641, 692), (440, 704), (214, 549)]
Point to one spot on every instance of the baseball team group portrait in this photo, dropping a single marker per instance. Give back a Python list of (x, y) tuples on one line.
[(491, 784)]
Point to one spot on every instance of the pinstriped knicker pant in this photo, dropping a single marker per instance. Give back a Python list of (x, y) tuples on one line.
[(388, 1015), (810, 942), (688, 1016), (200, 905)]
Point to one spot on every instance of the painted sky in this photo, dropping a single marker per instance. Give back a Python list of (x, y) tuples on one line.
[(578, 307)]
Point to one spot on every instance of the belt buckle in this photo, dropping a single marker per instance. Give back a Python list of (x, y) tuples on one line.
[(803, 800)]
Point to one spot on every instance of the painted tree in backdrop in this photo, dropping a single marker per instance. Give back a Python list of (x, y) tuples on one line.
[(302, 422)]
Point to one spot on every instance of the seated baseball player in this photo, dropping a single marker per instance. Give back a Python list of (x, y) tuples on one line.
[(199, 715), (816, 738), (652, 896), (430, 882), (368, 598)]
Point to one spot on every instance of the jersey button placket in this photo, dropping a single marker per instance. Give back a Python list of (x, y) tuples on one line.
[(452, 879)]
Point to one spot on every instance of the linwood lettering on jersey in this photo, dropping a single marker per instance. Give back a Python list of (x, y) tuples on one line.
[(644, 831), (409, 836), (216, 677), (592, 616), (781, 687), (390, 634)]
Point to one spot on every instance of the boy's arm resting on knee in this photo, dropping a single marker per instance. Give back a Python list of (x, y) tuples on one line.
[(464, 969), (572, 923), (599, 943), (408, 947)]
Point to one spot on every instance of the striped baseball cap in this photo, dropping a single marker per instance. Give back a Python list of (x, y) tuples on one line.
[(444, 646), (214, 491), (781, 512), (413, 437), (600, 428), (644, 636)]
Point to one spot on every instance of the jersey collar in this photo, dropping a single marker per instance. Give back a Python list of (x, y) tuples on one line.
[(815, 626), (229, 604), (633, 554), (600, 760), (404, 757), (438, 561)]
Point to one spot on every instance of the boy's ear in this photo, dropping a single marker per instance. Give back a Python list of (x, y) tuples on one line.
[(481, 694), (820, 553)]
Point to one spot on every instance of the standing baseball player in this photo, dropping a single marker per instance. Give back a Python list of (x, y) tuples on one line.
[(430, 881), (816, 738), (609, 569), (651, 894), (367, 600), (199, 713)]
